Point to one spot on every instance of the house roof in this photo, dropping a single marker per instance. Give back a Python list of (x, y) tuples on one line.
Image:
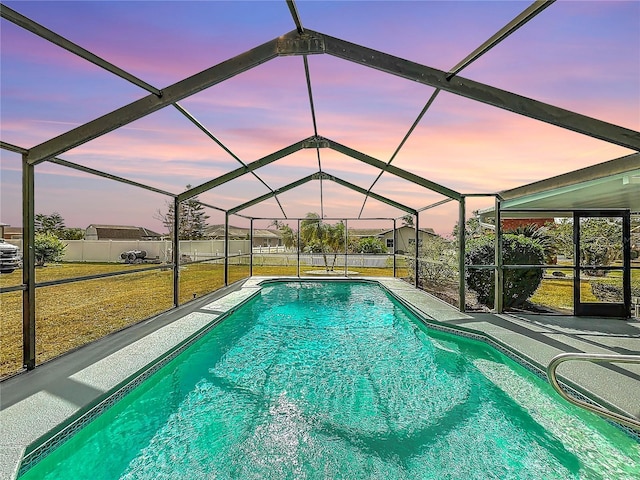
[(428, 231), (365, 232), (123, 232)]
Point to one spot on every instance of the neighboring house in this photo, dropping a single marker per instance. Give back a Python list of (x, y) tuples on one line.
[(11, 233), (261, 237), (513, 223), (120, 232), (405, 238)]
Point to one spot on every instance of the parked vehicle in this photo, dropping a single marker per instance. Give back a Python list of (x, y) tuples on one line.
[(9, 257)]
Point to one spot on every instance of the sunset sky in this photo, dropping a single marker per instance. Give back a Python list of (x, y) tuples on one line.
[(583, 56)]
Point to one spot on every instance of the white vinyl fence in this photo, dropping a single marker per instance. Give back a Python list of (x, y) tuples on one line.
[(110, 250)]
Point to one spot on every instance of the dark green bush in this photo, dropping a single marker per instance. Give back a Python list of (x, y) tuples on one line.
[(519, 284)]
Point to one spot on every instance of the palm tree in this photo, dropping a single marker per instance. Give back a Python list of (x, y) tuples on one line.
[(288, 237), (328, 239)]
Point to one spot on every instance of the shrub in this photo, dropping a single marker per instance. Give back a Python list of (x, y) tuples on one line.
[(48, 248), (609, 292), (519, 284), (367, 245), (437, 263)]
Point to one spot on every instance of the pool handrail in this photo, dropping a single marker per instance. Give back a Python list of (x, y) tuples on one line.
[(592, 357)]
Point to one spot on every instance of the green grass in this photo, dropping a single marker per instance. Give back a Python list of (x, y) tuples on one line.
[(557, 294), (73, 314)]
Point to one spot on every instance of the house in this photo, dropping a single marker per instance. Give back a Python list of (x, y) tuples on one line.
[(10, 233), (405, 238), (120, 232), (261, 237)]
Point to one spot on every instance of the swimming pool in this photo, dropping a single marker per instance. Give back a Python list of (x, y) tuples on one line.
[(338, 380)]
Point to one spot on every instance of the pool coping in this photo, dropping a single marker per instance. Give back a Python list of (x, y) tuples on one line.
[(36, 424)]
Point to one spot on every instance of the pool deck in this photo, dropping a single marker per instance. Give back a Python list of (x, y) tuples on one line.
[(34, 403)]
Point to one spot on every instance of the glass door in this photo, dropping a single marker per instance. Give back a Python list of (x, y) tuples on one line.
[(602, 285)]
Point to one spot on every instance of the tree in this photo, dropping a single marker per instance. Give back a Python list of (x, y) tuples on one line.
[(600, 242), (321, 237), (47, 248), (289, 237), (407, 220), (72, 234), (473, 227), (192, 218), (49, 224), (54, 225), (437, 263)]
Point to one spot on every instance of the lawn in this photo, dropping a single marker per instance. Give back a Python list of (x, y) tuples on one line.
[(557, 294), (73, 314)]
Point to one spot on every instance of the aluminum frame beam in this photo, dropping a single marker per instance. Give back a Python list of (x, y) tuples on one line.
[(481, 92), (373, 195), (321, 142), (211, 136), (503, 33), (43, 32), (296, 17), (243, 170), (441, 189), (311, 42), (152, 103), (527, 14), (320, 176), (90, 171)]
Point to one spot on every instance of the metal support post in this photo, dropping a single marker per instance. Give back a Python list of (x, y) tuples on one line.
[(251, 248), (176, 252), (394, 250), (346, 243), (416, 252), (28, 267), (461, 249), (226, 248), (626, 262), (298, 248), (499, 272)]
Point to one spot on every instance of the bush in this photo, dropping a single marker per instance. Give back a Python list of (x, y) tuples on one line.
[(367, 245), (48, 248), (437, 263), (519, 284), (608, 292)]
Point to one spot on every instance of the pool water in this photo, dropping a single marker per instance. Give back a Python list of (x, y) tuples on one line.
[(336, 380)]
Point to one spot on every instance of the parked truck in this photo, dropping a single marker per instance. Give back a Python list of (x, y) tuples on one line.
[(9, 257)]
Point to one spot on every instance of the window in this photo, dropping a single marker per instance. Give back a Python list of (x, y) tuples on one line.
[(389, 242)]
